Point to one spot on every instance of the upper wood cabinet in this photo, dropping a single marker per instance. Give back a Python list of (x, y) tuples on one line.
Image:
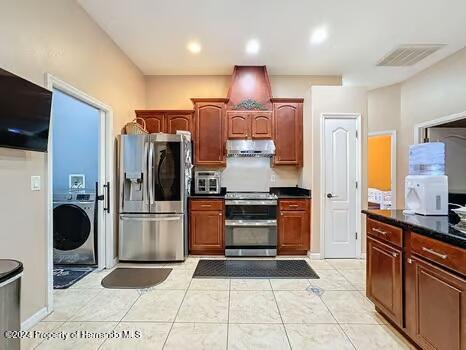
[(261, 125), (210, 132), (179, 122), (249, 124), (288, 131), (239, 125), (167, 121), (154, 122)]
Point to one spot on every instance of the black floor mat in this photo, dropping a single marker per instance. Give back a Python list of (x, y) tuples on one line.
[(65, 276), (254, 269)]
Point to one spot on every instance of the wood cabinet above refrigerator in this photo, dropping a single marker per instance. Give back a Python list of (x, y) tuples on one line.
[(167, 121)]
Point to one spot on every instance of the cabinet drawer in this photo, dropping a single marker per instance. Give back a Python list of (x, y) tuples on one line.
[(294, 204), (439, 252), (206, 204), (385, 232)]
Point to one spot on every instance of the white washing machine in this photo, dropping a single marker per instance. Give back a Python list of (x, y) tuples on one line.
[(74, 234)]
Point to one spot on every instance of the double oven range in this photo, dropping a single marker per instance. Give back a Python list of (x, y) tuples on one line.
[(250, 224)]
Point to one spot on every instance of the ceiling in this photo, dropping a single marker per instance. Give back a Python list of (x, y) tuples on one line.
[(155, 33)]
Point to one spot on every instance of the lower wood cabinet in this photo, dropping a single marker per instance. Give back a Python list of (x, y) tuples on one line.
[(436, 306), (419, 284), (206, 227), (294, 227), (385, 279)]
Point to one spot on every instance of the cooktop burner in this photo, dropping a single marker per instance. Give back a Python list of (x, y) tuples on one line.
[(250, 195)]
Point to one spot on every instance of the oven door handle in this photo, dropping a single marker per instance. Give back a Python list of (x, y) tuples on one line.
[(251, 223), (250, 202)]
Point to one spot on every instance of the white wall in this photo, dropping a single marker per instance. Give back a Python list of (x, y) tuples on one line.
[(330, 99), (76, 131), (57, 37), (438, 91)]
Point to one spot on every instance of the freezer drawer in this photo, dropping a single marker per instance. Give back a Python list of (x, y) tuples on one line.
[(151, 237)]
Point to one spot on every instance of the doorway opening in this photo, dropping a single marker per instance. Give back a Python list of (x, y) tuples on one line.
[(80, 180), (340, 185), (450, 130), (381, 169)]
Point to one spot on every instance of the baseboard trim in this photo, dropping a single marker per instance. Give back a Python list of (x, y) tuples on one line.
[(314, 256), (34, 319)]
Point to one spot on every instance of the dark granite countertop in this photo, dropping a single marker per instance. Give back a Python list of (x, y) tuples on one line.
[(290, 192), (207, 196), (220, 195), (437, 227)]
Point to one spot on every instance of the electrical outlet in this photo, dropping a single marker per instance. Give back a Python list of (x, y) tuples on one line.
[(272, 178), (35, 183)]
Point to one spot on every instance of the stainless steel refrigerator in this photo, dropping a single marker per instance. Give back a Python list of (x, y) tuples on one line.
[(155, 175)]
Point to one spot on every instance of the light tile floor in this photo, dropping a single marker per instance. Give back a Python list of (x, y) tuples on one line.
[(184, 313)]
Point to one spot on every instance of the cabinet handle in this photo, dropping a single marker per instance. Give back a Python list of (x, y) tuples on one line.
[(219, 214), (409, 261), (433, 252), (293, 205), (394, 255), (205, 205), (382, 232)]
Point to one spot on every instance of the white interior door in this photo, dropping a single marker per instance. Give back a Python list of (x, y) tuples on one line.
[(340, 187)]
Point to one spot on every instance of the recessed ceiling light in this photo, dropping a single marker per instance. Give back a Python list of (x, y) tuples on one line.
[(194, 47), (252, 46), (319, 35)]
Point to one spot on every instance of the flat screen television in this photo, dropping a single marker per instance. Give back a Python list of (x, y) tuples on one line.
[(24, 113)]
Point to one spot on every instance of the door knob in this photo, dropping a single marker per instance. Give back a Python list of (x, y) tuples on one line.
[(330, 195)]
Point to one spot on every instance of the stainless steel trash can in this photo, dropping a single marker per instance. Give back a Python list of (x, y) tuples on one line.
[(10, 289)]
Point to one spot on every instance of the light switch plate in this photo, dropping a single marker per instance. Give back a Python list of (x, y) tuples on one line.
[(35, 183)]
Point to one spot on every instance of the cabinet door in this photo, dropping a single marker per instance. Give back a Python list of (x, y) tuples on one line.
[(438, 302), (179, 122), (261, 125), (239, 125), (155, 123), (384, 279), (293, 232), (210, 134), (288, 133), (206, 232)]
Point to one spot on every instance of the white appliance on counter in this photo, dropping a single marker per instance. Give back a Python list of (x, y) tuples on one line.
[(426, 194), (207, 181)]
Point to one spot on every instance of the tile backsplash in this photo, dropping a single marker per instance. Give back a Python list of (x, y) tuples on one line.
[(256, 174)]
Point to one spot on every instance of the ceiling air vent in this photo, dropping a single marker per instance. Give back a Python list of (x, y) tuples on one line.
[(407, 55)]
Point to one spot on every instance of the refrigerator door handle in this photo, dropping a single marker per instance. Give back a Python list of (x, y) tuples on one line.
[(146, 172), (152, 218), (151, 173)]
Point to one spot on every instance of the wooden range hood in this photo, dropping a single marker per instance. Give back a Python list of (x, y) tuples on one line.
[(250, 83)]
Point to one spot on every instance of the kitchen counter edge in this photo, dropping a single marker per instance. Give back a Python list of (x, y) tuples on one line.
[(453, 237)]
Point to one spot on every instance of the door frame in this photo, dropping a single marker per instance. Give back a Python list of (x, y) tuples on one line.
[(106, 174), (393, 179), (357, 117), (418, 128)]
